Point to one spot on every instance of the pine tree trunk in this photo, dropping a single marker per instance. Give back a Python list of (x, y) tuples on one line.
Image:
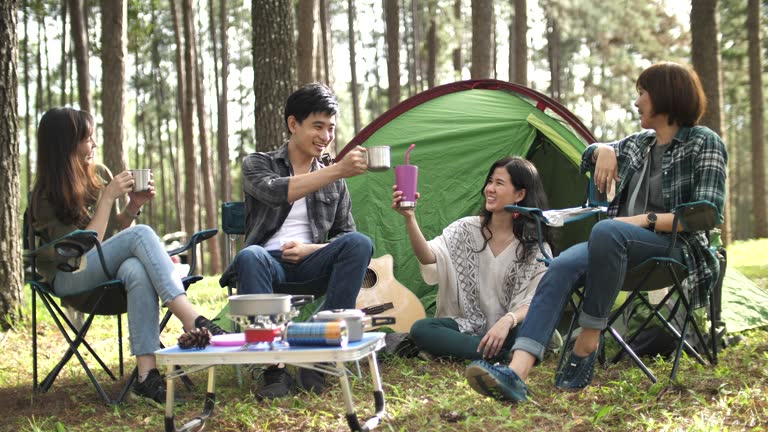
[(64, 55), (353, 65), (757, 119), (225, 190), (274, 77), (433, 44), (705, 56), (11, 267), (482, 14), (180, 92), (80, 42), (187, 123), (27, 101), (324, 24), (305, 21), (209, 194), (392, 18), (553, 55), (521, 42), (114, 47)]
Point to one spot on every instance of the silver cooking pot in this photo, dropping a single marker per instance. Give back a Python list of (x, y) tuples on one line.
[(356, 321), (266, 304)]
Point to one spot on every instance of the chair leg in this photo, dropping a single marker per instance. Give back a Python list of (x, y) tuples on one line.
[(34, 339)]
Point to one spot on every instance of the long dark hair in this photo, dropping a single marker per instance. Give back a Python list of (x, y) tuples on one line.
[(69, 182), (523, 175)]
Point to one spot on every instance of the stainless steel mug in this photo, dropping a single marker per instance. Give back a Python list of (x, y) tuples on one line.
[(140, 179), (377, 158)]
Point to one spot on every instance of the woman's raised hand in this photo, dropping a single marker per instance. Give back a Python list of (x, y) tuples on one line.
[(140, 198), (120, 185), (606, 168), (397, 196)]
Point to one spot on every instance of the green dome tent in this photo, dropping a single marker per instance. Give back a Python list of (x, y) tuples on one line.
[(459, 130)]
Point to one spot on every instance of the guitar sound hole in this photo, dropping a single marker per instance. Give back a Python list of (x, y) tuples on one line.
[(370, 279)]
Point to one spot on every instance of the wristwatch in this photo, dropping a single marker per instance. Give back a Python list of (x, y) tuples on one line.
[(651, 219)]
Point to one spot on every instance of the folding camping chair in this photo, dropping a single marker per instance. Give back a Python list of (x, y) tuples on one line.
[(653, 274), (108, 298)]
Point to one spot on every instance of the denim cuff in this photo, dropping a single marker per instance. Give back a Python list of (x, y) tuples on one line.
[(530, 346), (591, 322)]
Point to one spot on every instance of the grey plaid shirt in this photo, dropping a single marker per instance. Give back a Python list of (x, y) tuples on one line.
[(694, 169), (265, 185)]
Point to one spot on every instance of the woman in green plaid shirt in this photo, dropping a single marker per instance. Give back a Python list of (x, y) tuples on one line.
[(673, 161)]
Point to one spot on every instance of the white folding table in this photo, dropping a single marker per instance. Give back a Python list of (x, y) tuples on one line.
[(326, 359)]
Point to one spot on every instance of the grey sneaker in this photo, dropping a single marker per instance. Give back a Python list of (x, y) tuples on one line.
[(311, 380), (153, 387), (277, 383), (203, 322)]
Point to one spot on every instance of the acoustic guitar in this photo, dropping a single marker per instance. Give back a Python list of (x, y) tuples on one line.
[(382, 294)]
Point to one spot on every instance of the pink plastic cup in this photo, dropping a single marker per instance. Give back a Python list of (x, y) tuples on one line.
[(406, 178)]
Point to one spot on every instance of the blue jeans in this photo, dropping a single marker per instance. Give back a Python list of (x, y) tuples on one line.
[(341, 265), (599, 265), (136, 256)]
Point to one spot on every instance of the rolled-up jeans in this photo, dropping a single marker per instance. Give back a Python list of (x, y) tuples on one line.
[(339, 267), (136, 256), (600, 265)]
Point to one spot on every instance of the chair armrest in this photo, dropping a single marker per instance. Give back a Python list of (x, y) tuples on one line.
[(191, 245), (72, 245), (533, 212), (196, 239)]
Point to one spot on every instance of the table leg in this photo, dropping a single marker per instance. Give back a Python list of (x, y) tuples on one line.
[(378, 397), (198, 422)]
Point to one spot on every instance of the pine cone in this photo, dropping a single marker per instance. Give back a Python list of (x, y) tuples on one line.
[(197, 338)]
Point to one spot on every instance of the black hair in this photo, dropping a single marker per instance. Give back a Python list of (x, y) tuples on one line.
[(309, 99), (523, 175)]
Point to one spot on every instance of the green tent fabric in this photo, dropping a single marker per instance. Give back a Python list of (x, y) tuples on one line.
[(459, 130), (745, 305)]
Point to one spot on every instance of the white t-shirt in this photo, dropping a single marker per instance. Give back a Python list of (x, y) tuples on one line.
[(295, 228)]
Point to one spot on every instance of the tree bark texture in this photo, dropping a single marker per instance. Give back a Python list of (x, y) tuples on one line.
[(187, 123), (553, 54), (180, 83), (64, 55), (433, 45), (114, 47), (305, 21), (353, 65), (209, 194), (757, 119), (80, 42), (482, 14), (326, 37), (705, 56), (11, 267), (521, 42), (274, 69), (392, 18), (225, 189)]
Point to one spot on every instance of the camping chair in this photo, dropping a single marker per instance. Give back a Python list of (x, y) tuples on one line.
[(108, 298), (653, 274)]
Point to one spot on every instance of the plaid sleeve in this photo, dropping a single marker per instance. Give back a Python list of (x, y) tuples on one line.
[(710, 172), (262, 181)]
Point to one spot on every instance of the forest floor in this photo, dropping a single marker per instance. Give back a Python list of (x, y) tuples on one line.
[(420, 395)]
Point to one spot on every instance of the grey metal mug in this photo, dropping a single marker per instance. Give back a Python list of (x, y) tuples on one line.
[(377, 158)]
